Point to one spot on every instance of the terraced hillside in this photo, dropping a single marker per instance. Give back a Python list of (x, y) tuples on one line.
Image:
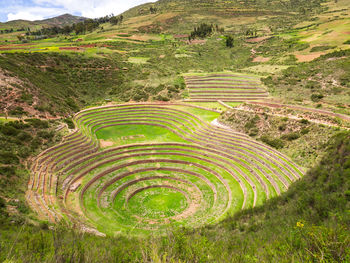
[(137, 168), (227, 87)]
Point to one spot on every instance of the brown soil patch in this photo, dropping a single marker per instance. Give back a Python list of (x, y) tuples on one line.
[(257, 39), (10, 48), (12, 89), (88, 45), (196, 42), (104, 143), (182, 36), (309, 57), (71, 48), (261, 59)]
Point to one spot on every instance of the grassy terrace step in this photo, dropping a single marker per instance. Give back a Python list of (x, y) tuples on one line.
[(198, 177), (224, 87), (223, 82), (228, 91), (221, 86), (204, 76), (222, 99), (228, 95)]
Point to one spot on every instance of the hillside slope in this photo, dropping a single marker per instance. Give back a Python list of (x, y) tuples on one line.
[(62, 20), (308, 223)]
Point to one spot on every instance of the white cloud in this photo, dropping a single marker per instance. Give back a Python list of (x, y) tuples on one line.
[(41, 9), (34, 13), (24, 15), (93, 8)]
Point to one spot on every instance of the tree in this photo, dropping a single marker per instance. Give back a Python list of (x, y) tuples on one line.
[(229, 41), (153, 10)]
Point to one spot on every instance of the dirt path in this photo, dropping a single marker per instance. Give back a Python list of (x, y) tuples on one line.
[(278, 105), (292, 116)]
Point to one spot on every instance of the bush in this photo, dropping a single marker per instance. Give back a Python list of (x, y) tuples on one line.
[(304, 121), (36, 123), (9, 130), (291, 136), (45, 135), (161, 98), (17, 111), (321, 48), (24, 136), (8, 158), (312, 85), (273, 142), (2, 203), (70, 123), (316, 97), (282, 127), (305, 131), (7, 171)]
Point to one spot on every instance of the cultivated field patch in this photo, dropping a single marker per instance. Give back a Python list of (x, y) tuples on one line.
[(227, 87)]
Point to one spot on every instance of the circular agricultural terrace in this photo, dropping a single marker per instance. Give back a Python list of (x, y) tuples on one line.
[(141, 168)]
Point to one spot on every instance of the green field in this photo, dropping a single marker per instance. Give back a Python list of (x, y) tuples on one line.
[(179, 131), (166, 154)]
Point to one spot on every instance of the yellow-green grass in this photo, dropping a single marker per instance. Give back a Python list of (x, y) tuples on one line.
[(138, 60)]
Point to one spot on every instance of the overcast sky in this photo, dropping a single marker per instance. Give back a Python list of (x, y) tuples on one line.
[(41, 9)]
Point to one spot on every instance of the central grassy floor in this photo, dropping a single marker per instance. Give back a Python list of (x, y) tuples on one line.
[(157, 203)]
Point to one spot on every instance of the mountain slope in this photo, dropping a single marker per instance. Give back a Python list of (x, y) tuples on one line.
[(62, 20)]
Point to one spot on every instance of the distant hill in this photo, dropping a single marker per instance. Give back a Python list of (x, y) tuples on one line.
[(62, 20)]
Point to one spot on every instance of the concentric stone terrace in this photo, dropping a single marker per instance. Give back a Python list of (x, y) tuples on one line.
[(227, 87), (141, 168)]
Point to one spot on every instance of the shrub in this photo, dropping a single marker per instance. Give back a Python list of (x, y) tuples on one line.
[(161, 98), (8, 158), (291, 136), (17, 111), (7, 171), (282, 127), (321, 48), (9, 130), (273, 142), (304, 121), (45, 135), (24, 136), (312, 85), (69, 122), (305, 131), (251, 124), (2, 203), (36, 123), (254, 132), (316, 97)]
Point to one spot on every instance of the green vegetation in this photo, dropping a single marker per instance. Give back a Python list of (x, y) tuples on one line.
[(157, 148), (310, 222), (303, 140), (162, 178), (18, 141), (325, 80)]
